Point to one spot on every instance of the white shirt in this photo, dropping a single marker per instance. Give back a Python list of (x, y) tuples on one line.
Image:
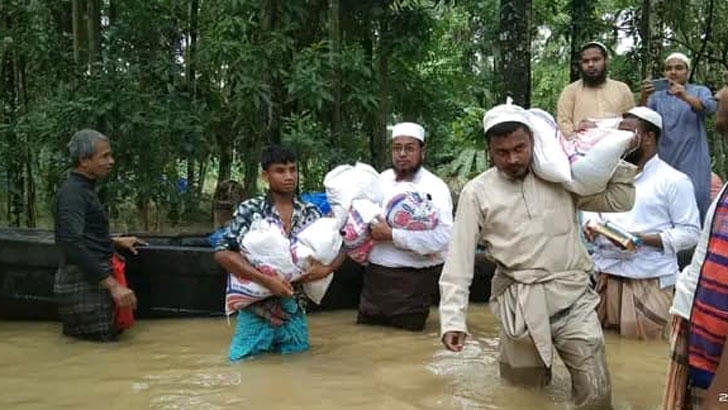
[(687, 280), (664, 204), (417, 249)]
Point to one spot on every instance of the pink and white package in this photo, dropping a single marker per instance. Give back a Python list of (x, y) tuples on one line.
[(355, 231), (412, 211)]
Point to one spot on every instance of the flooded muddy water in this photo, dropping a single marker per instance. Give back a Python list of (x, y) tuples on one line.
[(181, 364)]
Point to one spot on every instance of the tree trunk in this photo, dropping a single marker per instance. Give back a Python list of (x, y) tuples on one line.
[(93, 13), (708, 33), (80, 54), (378, 143), (190, 72), (645, 30), (25, 166), (201, 176), (335, 39), (582, 31), (252, 166), (515, 51), (276, 91), (225, 145)]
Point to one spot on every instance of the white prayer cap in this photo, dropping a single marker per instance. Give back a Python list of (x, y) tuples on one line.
[(649, 115), (678, 56), (408, 129), (507, 112)]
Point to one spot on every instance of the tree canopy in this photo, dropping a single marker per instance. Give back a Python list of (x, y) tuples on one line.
[(190, 91)]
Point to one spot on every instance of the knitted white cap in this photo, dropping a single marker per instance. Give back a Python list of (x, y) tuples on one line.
[(408, 129), (507, 112), (647, 114)]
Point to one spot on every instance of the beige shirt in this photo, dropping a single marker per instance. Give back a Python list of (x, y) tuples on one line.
[(579, 102), (530, 229)]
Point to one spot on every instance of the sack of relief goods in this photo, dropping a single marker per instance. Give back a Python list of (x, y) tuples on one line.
[(346, 183), (320, 241), (355, 232), (268, 249)]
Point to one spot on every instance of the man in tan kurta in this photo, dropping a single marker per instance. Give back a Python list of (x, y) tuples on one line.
[(540, 291), (594, 96)]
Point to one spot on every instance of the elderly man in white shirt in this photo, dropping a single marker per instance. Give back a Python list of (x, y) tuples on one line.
[(635, 287), (404, 266)]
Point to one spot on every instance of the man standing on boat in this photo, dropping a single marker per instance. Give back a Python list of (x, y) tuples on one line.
[(84, 284), (400, 282), (540, 291)]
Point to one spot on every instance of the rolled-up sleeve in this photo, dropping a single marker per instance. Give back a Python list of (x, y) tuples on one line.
[(710, 105)]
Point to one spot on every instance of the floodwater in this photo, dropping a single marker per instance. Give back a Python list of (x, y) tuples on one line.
[(181, 364)]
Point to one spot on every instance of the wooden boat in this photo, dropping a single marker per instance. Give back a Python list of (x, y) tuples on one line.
[(175, 276)]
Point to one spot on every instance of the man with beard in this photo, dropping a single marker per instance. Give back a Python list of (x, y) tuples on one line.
[(593, 97), (401, 278), (636, 288), (540, 292)]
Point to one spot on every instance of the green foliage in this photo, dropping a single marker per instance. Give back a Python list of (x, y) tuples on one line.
[(197, 94)]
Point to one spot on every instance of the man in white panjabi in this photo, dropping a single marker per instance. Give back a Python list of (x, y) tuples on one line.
[(636, 287), (540, 291), (400, 282)]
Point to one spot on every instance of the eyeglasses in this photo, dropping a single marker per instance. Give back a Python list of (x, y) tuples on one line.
[(408, 149)]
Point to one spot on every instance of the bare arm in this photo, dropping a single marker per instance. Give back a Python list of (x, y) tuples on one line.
[(721, 117), (239, 266)]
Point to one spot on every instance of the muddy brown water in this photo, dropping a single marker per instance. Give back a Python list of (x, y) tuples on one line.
[(181, 364)]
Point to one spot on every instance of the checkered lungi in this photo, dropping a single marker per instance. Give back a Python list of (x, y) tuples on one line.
[(679, 395), (86, 309)]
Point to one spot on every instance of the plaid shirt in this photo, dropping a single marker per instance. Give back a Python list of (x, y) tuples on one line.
[(262, 207)]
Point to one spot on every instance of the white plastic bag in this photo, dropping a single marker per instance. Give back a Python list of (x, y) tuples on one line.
[(320, 241), (594, 154), (549, 160), (346, 183), (266, 247)]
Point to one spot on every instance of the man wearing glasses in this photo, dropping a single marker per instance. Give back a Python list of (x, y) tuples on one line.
[(404, 266)]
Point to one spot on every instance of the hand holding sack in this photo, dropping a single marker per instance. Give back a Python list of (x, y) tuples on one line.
[(268, 249)]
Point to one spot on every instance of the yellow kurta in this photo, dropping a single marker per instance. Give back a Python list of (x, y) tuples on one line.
[(579, 102)]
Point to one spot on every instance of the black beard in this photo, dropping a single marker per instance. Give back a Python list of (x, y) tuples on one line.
[(594, 81), (634, 157), (406, 174)]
